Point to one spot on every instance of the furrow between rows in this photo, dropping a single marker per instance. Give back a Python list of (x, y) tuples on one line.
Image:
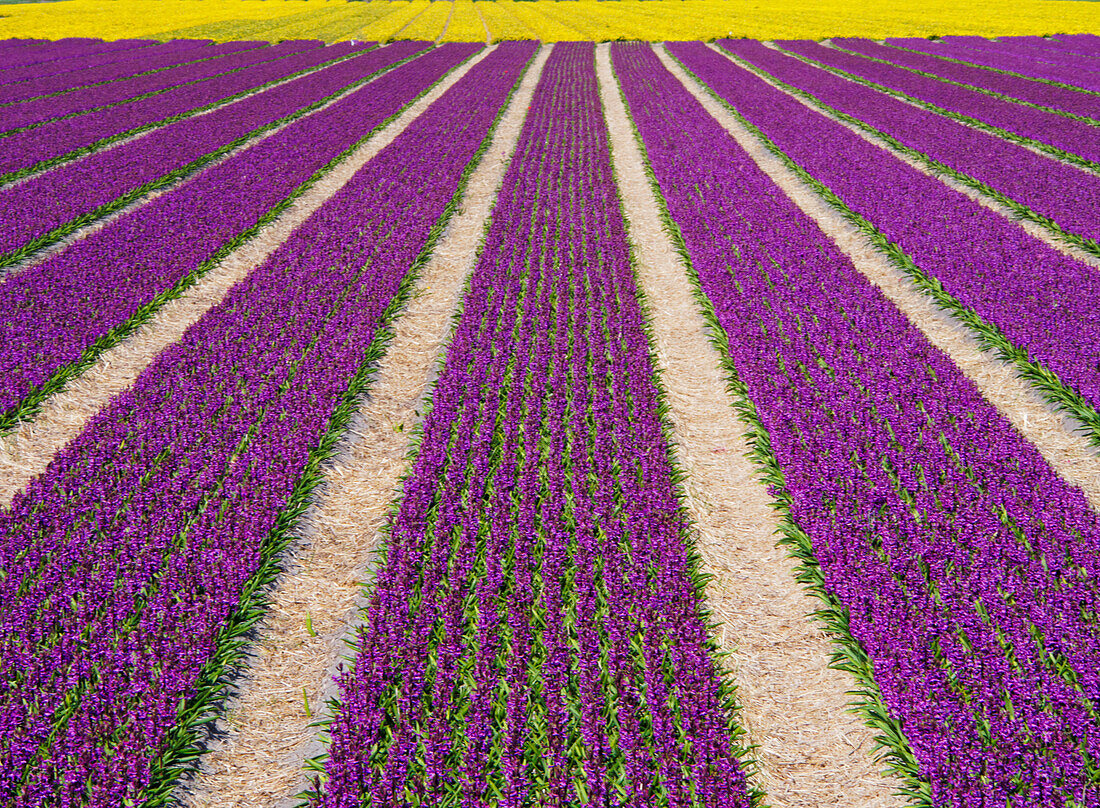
[(810, 750)]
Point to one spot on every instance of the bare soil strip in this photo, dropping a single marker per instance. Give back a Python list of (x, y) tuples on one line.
[(258, 764), (446, 24), (397, 34), (1057, 436), (26, 451), (811, 751)]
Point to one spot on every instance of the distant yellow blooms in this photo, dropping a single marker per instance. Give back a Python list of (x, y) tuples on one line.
[(550, 20), (784, 19), (503, 22), (466, 23), (428, 23), (395, 23)]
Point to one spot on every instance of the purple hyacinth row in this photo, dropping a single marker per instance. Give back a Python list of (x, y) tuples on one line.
[(1044, 50), (1033, 46), (1061, 192), (52, 312), (130, 572), (49, 200), (969, 569), (9, 45), (534, 635), (58, 138), (1075, 137), (132, 54), (47, 54), (1002, 61), (1081, 44), (91, 70), (1039, 297), (1028, 57), (86, 99), (1034, 92)]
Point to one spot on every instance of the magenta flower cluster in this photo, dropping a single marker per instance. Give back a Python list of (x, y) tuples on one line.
[(1040, 298), (52, 312), (213, 82), (1066, 67), (50, 57), (69, 75), (1032, 91), (83, 99), (1063, 193), (1073, 136)]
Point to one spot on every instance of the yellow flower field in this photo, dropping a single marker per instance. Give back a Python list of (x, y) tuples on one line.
[(549, 20)]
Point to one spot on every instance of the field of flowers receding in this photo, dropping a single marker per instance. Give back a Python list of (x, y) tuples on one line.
[(536, 628), (547, 20)]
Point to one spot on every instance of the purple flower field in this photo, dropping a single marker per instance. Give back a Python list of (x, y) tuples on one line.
[(537, 623)]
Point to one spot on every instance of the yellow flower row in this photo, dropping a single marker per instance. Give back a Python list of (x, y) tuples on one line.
[(550, 20)]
